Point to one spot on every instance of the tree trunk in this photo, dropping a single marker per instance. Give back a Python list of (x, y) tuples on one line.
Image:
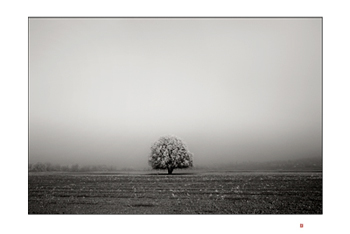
[(170, 170)]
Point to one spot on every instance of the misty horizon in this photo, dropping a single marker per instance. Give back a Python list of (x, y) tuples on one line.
[(102, 91)]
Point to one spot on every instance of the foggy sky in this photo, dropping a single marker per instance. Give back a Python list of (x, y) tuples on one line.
[(101, 91)]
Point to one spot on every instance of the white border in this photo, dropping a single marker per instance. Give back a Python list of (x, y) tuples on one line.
[(14, 124)]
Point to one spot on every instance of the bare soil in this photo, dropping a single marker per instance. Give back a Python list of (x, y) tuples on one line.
[(179, 193)]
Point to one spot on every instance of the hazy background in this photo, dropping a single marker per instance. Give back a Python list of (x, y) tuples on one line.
[(101, 91)]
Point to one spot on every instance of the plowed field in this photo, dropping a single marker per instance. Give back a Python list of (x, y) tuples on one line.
[(192, 193)]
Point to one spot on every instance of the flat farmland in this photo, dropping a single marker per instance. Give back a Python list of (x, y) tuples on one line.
[(180, 193)]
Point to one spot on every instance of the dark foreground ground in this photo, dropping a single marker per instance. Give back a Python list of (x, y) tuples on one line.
[(180, 193)]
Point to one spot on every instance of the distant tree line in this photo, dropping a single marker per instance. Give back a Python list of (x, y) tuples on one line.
[(287, 165), (301, 164), (42, 167)]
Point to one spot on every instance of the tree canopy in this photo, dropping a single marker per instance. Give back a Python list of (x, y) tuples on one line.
[(170, 152)]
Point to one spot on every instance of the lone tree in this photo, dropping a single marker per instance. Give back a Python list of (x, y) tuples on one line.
[(170, 152)]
